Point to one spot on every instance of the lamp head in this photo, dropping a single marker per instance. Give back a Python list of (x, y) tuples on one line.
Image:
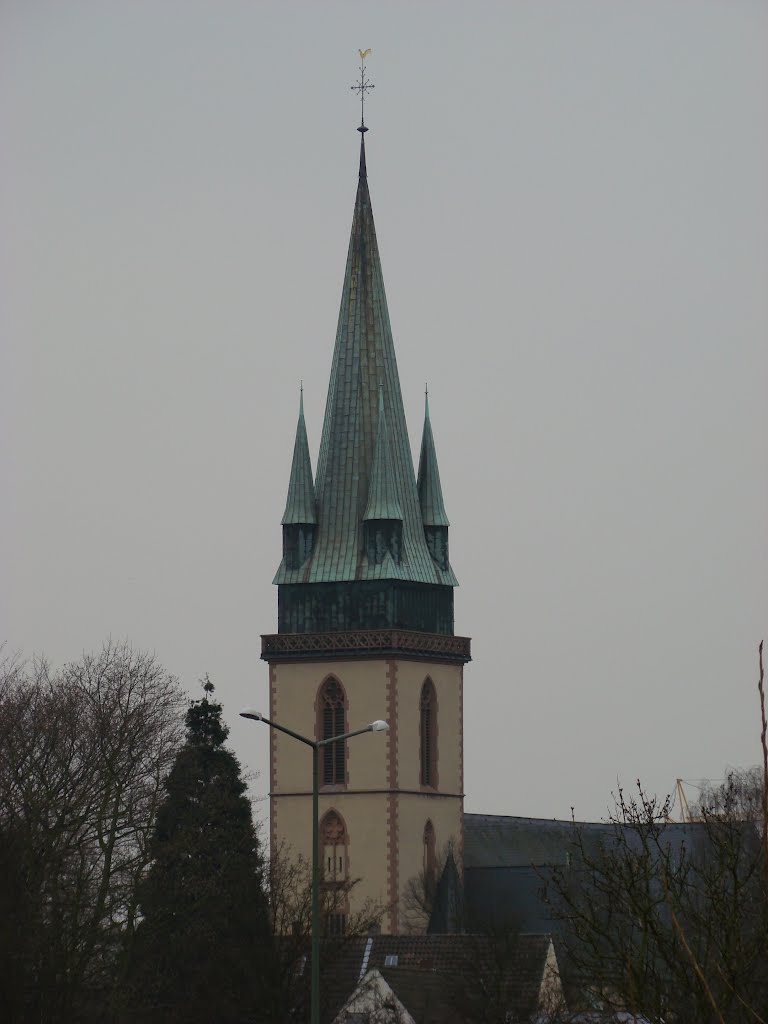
[(378, 726), (252, 713)]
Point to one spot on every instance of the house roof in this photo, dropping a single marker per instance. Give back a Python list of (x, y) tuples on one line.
[(434, 975), (363, 358)]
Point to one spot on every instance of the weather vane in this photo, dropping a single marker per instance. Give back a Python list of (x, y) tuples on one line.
[(362, 87)]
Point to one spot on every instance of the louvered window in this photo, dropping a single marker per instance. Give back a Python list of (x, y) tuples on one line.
[(332, 710), (428, 735)]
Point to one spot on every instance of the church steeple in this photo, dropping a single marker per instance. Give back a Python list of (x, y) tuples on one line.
[(300, 516), (365, 619), (363, 358)]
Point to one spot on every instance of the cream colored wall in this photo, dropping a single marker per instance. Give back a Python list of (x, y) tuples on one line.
[(365, 817), (446, 679), (294, 705), (370, 696), (413, 812)]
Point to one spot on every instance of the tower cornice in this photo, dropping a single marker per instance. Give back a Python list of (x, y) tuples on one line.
[(366, 643)]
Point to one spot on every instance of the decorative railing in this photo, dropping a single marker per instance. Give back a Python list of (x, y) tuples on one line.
[(365, 642)]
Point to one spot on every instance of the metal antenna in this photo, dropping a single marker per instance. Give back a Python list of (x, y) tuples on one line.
[(362, 87)]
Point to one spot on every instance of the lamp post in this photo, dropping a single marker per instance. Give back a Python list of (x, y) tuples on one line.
[(377, 726)]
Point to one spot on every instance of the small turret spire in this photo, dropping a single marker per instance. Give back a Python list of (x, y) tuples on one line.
[(428, 483), (300, 506)]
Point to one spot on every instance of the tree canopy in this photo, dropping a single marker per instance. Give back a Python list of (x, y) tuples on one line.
[(204, 948)]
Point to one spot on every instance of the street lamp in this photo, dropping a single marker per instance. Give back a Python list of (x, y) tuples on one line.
[(377, 726)]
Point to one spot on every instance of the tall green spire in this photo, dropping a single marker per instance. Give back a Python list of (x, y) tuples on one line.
[(430, 491), (382, 493), (364, 357), (300, 506)]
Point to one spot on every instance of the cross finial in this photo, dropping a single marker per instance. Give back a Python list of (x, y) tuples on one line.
[(362, 87)]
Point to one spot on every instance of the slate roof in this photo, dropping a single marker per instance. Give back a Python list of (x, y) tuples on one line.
[(496, 841), (507, 861), (499, 840), (428, 481), (363, 358), (300, 504)]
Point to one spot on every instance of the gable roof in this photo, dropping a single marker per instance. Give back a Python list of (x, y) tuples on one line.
[(371, 999)]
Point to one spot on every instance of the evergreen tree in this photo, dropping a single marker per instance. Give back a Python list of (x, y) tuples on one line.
[(204, 950)]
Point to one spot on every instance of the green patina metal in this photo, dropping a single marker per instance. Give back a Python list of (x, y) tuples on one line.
[(364, 358), (382, 493), (428, 484), (300, 506)]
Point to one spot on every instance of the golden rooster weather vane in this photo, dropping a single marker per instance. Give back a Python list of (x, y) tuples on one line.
[(362, 87)]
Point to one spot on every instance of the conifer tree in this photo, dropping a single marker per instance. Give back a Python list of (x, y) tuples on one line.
[(204, 950)]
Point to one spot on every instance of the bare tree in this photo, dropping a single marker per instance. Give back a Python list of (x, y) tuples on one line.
[(83, 752), (740, 795), (290, 898), (421, 891), (671, 921)]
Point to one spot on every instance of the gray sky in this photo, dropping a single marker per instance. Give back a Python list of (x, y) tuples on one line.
[(572, 212)]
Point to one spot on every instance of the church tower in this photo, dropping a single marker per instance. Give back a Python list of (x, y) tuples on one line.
[(365, 621)]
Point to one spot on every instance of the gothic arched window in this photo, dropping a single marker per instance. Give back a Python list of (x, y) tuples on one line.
[(334, 872), (428, 735), (430, 857), (331, 723)]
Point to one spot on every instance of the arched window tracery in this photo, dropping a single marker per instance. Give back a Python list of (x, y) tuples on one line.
[(430, 856), (428, 735), (334, 872), (332, 723)]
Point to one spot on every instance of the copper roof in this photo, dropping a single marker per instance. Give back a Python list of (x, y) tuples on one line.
[(430, 491), (382, 493), (363, 358), (300, 504)]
